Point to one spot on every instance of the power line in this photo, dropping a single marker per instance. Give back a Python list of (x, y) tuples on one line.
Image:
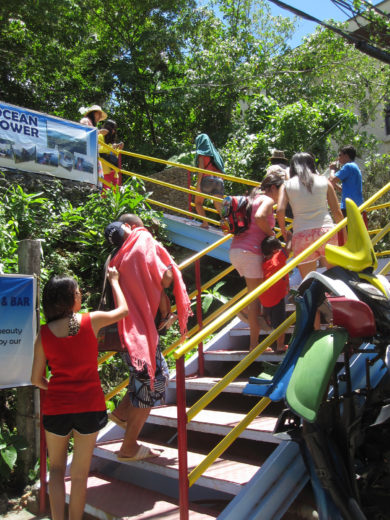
[(360, 44)]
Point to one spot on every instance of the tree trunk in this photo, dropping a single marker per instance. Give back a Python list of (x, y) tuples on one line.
[(27, 397)]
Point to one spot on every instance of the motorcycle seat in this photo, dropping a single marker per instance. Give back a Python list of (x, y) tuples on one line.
[(358, 252), (353, 315)]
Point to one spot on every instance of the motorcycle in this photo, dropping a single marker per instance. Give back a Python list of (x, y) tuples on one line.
[(340, 416)]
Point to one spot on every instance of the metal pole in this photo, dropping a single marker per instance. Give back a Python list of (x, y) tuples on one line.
[(199, 316), (182, 439)]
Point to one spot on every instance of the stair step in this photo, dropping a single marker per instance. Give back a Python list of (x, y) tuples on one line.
[(239, 355), (109, 498), (203, 384), (218, 423), (243, 330), (227, 476)]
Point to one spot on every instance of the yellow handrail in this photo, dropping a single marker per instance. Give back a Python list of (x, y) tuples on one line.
[(116, 390), (183, 212), (379, 206), (386, 269), (191, 168), (204, 252), (212, 281), (381, 234)]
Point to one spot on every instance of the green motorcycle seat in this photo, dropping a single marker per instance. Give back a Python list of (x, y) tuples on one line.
[(313, 369)]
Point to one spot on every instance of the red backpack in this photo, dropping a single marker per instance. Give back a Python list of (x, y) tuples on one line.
[(236, 214)]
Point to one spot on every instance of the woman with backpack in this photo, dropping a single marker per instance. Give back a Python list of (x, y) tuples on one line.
[(245, 250), (208, 158)]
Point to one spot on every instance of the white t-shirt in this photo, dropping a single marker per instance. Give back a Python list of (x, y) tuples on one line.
[(310, 209)]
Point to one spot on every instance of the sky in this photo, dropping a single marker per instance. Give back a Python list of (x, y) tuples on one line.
[(321, 9)]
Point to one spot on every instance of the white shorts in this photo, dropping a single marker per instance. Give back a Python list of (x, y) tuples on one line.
[(248, 264)]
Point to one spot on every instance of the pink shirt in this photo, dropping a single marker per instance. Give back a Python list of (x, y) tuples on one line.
[(86, 121), (250, 240)]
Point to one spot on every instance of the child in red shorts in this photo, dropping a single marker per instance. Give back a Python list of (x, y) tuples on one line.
[(273, 300)]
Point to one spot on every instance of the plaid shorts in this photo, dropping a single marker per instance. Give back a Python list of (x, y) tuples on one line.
[(139, 390)]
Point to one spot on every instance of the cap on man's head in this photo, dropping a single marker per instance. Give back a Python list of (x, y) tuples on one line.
[(115, 234)]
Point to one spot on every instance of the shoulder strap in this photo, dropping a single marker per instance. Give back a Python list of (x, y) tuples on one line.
[(102, 297)]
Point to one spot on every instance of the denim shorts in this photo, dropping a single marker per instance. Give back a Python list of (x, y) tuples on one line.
[(212, 185), (139, 389), (84, 423)]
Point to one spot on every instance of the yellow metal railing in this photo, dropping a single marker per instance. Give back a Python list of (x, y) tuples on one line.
[(191, 168)]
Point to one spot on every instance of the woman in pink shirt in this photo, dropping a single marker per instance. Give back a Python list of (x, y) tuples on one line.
[(245, 250)]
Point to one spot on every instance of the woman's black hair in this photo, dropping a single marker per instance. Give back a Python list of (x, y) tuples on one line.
[(303, 165), (269, 245), (91, 117), (111, 126), (58, 297)]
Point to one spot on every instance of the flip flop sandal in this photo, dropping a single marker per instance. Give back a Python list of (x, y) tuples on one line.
[(143, 452)]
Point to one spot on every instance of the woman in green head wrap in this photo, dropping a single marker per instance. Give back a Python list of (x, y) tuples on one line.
[(208, 158)]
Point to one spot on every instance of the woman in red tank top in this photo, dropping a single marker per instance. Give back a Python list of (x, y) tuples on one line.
[(74, 401)]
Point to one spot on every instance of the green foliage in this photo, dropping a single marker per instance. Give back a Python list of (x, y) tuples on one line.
[(299, 126), (210, 296), (377, 175), (72, 234), (10, 445)]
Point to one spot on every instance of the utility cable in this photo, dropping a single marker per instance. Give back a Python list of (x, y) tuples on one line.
[(360, 44)]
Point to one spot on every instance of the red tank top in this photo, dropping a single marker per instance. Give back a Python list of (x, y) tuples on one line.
[(74, 386)]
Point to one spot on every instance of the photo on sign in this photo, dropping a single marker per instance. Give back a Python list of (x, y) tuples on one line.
[(6, 150), (48, 157), (24, 154), (75, 141), (66, 160), (81, 164)]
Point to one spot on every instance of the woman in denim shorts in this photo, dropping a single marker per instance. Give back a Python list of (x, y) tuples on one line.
[(208, 158)]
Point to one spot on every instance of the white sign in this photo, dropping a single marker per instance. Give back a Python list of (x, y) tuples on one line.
[(17, 329), (35, 142)]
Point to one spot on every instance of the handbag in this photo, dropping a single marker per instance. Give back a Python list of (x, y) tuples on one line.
[(108, 337)]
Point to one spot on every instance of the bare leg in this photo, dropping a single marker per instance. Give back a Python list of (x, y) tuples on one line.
[(323, 263), (81, 462), (200, 211), (253, 312), (305, 269), (218, 206), (122, 410), (58, 451), (136, 418), (280, 343)]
